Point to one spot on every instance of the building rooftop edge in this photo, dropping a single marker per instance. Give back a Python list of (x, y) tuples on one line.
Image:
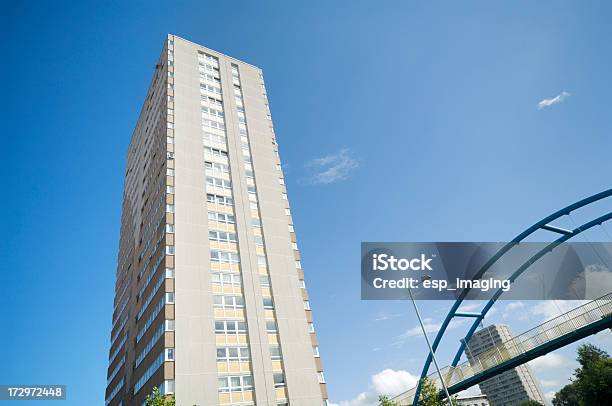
[(214, 50)]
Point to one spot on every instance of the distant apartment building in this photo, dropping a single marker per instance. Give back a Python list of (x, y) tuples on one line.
[(474, 400), (509, 388), (210, 299)]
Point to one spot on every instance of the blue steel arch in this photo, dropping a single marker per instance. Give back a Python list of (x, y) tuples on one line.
[(543, 224)]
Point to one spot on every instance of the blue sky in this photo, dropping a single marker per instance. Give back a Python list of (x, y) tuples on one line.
[(420, 120)]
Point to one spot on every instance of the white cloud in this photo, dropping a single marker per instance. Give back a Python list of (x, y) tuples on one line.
[(550, 382), (549, 309), (553, 100), (430, 325), (514, 309), (550, 361), (469, 307), (550, 395), (387, 382), (332, 168), (386, 316), (391, 382)]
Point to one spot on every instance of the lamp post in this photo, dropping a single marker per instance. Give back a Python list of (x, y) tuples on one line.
[(431, 352)]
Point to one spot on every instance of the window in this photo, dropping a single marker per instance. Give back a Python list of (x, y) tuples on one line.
[(220, 183), (208, 136), (236, 383), (230, 327), (215, 152), (149, 372), (264, 281), (291, 229), (169, 325), (169, 208), (298, 264), (311, 328), (169, 249), (261, 261), (256, 222), (169, 228), (233, 354), (275, 352), (259, 240), (216, 167), (226, 278), (287, 212), (227, 257), (321, 377), (271, 326), (170, 171), (302, 284), (218, 199), (306, 305), (279, 380), (228, 302), (221, 217), (170, 273), (167, 387), (222, 236), (268, 303), (315, 351), (294, 246)]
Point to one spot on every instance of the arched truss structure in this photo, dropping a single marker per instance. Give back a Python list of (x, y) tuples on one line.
[(544, 224)]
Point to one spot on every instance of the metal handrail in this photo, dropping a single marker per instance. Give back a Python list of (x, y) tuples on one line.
[(550, 330)]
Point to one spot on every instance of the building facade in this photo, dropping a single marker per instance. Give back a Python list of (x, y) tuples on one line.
[(473, 400), (210, 300), (509, 388)]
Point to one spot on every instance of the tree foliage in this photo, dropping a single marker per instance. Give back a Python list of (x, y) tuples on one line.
[(430, 395), (530, 403), (157, 399), (592, 383), (383, 400)]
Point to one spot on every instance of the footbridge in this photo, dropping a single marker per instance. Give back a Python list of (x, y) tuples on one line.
[(583, 321)]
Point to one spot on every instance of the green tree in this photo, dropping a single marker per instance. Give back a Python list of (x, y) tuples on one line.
[(384, 401), (430, 395), (592, 383), (157, 399), (530, 403), (567, 396)]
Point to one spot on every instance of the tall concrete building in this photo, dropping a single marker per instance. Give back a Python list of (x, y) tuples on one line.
[(509, 388), (210, 301)]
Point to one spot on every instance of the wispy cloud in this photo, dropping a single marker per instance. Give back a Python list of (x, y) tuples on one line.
[(332, 168), (514, 309), (551, 361), (430, 325), (560, 98), (387, 316)]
